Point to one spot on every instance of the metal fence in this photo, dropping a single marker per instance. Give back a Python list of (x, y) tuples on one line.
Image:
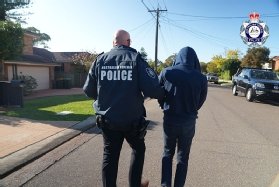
[(75, 80)]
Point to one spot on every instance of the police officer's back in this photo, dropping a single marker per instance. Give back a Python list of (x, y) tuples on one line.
[(118, 81)]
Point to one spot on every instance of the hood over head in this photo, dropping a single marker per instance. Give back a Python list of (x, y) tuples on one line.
[(187, 57)]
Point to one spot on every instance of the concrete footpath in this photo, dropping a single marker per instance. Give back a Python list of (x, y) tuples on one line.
[(23, 140)]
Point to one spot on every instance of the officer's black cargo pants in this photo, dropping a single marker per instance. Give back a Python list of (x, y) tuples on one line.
[(113, 141)]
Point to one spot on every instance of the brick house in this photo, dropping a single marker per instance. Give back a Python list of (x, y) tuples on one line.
[(36, 62), (275, 64), (45, 66), (68, 69)]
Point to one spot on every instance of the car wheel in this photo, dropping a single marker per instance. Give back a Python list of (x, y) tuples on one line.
[(249, 95), (234, 90)]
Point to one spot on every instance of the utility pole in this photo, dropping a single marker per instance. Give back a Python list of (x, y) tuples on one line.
[(156, 35)]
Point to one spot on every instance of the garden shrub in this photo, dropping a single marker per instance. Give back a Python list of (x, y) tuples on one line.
[(30, 83)]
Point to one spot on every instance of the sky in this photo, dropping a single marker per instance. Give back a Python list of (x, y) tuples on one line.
[(211, 27)]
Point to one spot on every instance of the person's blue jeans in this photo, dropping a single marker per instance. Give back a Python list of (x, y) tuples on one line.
[(113, 141), (181, 135)]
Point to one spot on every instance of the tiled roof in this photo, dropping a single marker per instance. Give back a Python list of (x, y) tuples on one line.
[(47, 55), (39, 55), (65, 56), (34, 58)]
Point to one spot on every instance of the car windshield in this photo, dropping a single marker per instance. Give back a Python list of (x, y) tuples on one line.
[(268, 75)]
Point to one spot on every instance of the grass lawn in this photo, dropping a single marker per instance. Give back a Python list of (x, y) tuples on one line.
[(47, 108)]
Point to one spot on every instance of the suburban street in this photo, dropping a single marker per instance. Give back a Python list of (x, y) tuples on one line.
[(236, 145)]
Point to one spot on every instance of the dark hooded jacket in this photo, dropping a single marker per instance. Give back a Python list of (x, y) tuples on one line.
[(185, 87)]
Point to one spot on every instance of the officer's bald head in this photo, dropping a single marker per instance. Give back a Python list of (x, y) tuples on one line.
[(121, 37)]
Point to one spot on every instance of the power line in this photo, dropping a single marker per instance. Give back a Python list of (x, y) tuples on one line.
[(141, 32), (200, 35), (163, 39), (157, 11), (141, 25), (222, 17), (147, 9)]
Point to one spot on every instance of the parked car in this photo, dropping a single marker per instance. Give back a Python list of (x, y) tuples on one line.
[(212, 77), (256, 84)]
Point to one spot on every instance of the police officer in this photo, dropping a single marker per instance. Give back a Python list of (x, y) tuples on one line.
[(118, 81)]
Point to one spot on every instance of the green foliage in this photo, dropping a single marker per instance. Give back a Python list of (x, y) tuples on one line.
[(30, 83), (160, 66), (11, 40), (169, 61), (256, 57), (41, 38), (219, 64), (233, 54), (84, 60), (143, 54), (203, 67), (226, 75), (218, 60), (6, 7), (212, 67), (230, 67)]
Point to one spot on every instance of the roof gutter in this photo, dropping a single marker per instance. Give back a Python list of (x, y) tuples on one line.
[(32, 63)]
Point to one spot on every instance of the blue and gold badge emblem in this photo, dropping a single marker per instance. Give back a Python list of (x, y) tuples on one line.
[(254, 32)]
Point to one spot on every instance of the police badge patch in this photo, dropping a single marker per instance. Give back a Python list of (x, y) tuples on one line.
[(150, 72), (254, 32)]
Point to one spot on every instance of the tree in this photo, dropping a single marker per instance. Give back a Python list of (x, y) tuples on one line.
[(169, 61), (212, 67), (218, 60), (233, 54), (11, 39), (256, 57), (151, 63), (229, 68), (143, 53), (41, 39), (160, 65), (11, 42), (203, 67), (84, 59), (6, 7)]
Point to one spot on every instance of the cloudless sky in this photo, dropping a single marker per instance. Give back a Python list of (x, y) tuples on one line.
[(209, 26)]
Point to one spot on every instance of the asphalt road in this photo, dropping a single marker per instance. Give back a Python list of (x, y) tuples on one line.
[(236, 144)]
